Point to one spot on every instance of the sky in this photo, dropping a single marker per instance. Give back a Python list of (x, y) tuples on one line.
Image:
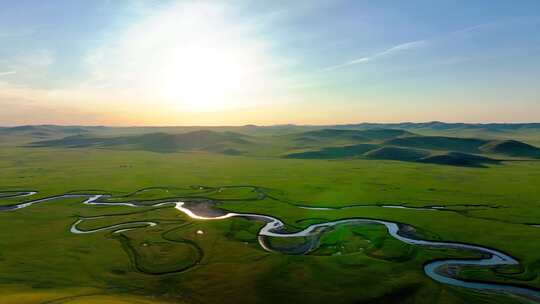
[(127, 63)]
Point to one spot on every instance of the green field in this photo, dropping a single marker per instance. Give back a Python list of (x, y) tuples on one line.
[(488, 184)]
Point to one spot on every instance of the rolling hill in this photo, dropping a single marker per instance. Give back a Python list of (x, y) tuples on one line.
[(458, 159), (395, 153), (44, 131), (511, 148), (334, 152), (399, 145), (439, 143), (357, 135), (204, 140), (376, 152), (377, 143)]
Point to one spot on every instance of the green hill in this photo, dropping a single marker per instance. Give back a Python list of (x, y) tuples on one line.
[(416, 155), (355, 135), (334, 152), (396, 153), (223, 142), (43, 131), (439, 143), (458, 159), (392, 144), (511, 148)]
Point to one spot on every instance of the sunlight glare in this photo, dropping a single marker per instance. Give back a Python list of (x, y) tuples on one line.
[(202, 78)]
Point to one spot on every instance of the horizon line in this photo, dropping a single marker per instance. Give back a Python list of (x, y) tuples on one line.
[(264, 125)]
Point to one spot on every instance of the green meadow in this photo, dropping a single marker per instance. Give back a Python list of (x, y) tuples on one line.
[(490, 196)]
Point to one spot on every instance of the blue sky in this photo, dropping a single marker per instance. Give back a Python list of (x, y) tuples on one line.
[(236, 62)]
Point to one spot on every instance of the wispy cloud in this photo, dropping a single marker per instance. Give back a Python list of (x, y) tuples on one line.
[(475, 28), (6, 73), (390, 51), (496, 24), (471, 30)]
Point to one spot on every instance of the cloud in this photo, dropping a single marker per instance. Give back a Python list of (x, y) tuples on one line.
[(6, 73), (390, 51), (495, 25), (475, 28), (448, 37)]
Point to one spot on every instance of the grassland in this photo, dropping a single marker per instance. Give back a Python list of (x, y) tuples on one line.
[(42, 262)]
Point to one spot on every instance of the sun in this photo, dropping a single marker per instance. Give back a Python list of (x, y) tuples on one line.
[(191, 57), (198, 58), (202, 78)]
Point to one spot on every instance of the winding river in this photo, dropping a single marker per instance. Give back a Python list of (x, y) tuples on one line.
[(274, 227)]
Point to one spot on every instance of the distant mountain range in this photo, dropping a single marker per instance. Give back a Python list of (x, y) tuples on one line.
[(433, 142), (438, 125), (433, 125)]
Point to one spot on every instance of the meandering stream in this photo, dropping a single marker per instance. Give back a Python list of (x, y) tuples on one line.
[(274, 227)]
